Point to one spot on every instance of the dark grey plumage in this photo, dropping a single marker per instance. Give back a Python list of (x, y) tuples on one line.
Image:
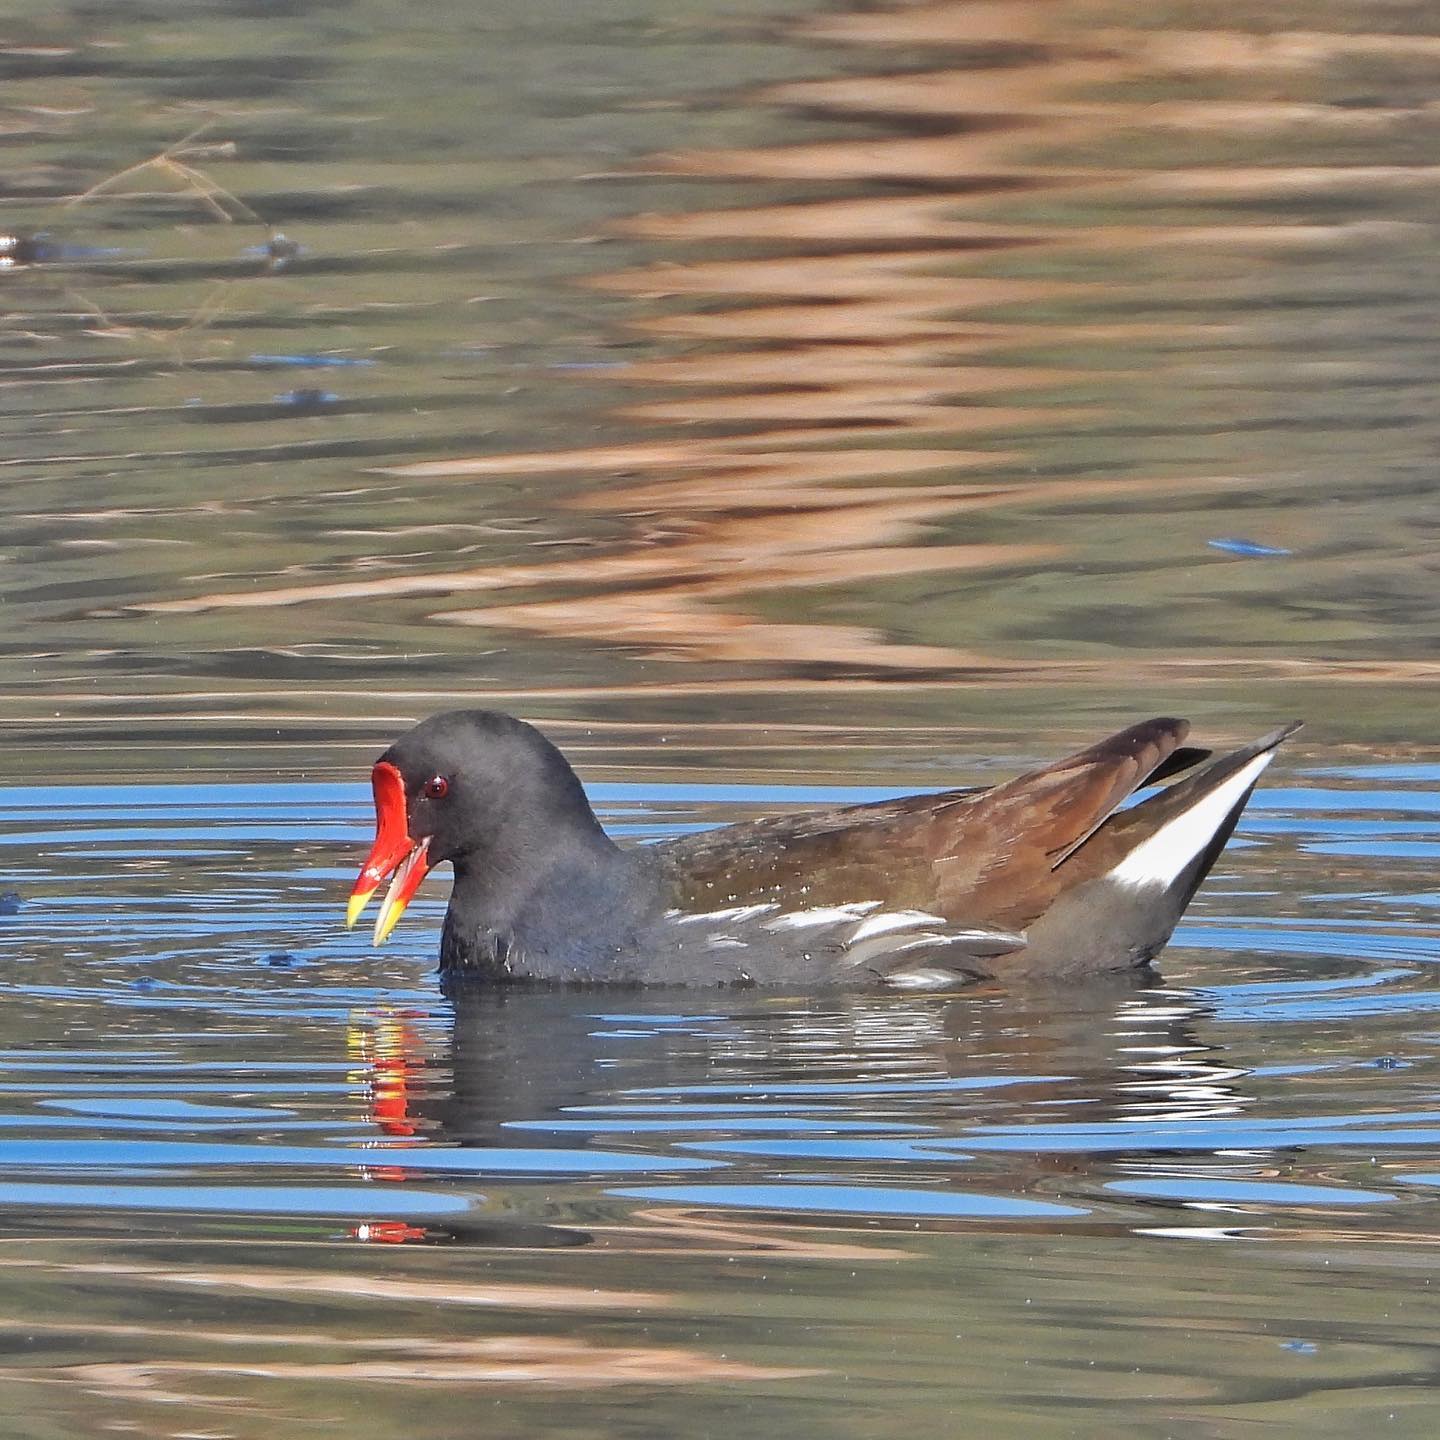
[(1043, 874)]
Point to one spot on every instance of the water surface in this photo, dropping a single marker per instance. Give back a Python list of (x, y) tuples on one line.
[(598, 360), (254, 1173), (784, 403)]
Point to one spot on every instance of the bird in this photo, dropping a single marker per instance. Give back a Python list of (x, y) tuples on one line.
[(1057, 873)]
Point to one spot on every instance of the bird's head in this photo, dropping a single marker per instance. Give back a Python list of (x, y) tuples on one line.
[(474, 787)]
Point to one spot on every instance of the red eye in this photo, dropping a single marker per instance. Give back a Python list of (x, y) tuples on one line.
[(437, 787)]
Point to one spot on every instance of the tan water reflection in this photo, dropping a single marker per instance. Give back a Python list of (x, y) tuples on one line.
[(270, 1352), (367, 1286), (734, 522), (820, 373), (533, 1362)]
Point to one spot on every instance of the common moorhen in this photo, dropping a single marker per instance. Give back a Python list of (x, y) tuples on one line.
[(1044, 874)]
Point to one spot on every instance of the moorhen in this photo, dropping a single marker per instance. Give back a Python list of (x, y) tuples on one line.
[(1043, 875)]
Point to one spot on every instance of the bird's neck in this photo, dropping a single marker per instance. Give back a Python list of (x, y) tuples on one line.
[(551, 911)]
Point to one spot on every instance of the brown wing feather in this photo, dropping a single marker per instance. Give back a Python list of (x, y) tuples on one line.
[(978, 857), (1128, 830), (1000, 869)]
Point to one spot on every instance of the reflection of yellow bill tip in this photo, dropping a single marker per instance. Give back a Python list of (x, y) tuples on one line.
[(358, 901)]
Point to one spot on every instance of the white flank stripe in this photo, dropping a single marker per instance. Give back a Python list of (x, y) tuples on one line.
[(888, 920), (1161, 858), (736, 912), (821, 915)]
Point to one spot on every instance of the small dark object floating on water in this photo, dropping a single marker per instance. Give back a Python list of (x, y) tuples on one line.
[(41, 249), (1043, 875), (307, 399), (23, 250), (280, 250)]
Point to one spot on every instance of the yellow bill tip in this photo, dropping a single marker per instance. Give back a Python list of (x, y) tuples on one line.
[(358, 901), (403, 885), (387, 920)]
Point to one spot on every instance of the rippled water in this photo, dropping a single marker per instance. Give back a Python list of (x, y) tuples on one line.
[(784, 404), (252, 1173), (600, 357)]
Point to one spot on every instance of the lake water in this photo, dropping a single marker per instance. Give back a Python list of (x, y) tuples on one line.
[(781, 404)]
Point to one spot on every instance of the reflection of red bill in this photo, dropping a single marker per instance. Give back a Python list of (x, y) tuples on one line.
[(393, 854), (389, 1232)]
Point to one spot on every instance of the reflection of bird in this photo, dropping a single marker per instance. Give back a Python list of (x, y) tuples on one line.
[(1042, 874)]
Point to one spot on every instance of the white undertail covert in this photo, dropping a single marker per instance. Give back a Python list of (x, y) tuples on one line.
[(1162, 859)]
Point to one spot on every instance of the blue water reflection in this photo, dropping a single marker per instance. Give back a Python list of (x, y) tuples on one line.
[(194, 1053), (170, 949), (856, 1200), (337, 1200)]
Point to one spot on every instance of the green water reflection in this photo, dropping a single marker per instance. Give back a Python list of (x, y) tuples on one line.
[(754, 351)]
